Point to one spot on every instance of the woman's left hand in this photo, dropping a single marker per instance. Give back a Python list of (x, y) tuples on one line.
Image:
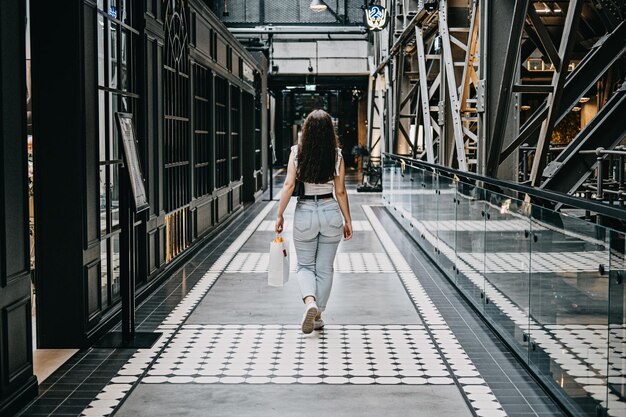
[(279, 224), (347, 230)]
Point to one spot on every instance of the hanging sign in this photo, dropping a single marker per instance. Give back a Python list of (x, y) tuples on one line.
[(131, 159), (376, 17)]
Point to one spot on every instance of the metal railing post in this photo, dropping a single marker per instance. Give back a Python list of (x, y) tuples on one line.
[(620, 181), (599, 190)]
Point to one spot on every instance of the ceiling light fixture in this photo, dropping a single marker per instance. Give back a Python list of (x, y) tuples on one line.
[(583, 99), (318, 6)]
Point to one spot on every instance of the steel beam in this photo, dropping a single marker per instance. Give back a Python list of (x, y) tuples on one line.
[(397, 92), (544, 37), (602, 56), (469, 71), (532, 89), (424, 95), (504, 98), (422, 15), (558, 80), (570, 169), (448, 62), (371, 94)]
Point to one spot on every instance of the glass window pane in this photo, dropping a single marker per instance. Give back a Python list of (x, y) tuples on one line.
[(113, 144), (103, 200), (104, 296), (115, 196), (101, 51), (113, 31), (125, 60), (102, 126), (126, 105), (113, 10), (115, 266), (125, 11)]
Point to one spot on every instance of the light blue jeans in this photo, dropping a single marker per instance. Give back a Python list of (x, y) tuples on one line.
[(317, 231)]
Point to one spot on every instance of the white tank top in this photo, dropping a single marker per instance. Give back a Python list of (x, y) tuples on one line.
[(319, 189)]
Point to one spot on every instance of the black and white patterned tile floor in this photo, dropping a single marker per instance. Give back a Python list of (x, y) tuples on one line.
[(364, 355), (360, 354), (255, 354)]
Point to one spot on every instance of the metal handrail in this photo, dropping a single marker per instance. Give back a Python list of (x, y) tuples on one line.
[(602, 151), (537, 193)]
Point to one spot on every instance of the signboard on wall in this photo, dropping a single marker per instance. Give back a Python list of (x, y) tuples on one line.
[(376, 17), (126, 130), (248, 73)]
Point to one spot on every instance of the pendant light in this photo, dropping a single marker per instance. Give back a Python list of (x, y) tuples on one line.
[(318, 6)]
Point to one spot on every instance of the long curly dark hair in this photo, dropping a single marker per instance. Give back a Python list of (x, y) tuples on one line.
[(317, 152)]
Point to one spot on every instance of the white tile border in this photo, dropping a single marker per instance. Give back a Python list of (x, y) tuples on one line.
[(121, 385), (453, 352)]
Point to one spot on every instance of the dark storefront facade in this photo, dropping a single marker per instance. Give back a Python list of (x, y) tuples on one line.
[(198, 103), (17, 382)]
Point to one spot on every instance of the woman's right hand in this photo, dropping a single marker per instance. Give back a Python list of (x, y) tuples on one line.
[(347, 230), (278, 228)]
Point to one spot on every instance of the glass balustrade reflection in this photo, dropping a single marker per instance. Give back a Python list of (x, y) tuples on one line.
[(550, 283), (616, 343), (470, 240), (506, 268), (446, 222), (568, 305)]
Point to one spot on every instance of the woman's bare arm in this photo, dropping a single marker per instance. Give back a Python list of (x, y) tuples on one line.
[(288, 186), (342, 199)]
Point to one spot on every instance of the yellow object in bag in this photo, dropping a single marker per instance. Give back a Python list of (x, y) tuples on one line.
[(278, 264)]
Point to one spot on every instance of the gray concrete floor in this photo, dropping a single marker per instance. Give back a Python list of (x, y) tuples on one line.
[(294, 401)]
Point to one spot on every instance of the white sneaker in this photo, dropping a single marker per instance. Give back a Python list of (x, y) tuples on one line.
[(308, 320), (319, 324)]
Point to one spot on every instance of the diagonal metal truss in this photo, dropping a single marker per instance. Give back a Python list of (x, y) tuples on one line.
[(435, 84), (556, 87), (562, 93), (571, 168), (602, 56), (450, 104)]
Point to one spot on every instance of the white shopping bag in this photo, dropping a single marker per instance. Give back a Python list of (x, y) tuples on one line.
[(278, 265)]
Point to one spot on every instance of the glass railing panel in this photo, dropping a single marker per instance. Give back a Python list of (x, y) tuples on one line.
[(386, 180), (507, 268), (424, 206), (445, 225), (416, 178), (469, 239), (616, 364), (403, 194), (569, 306), (429, 199), (394, 180)]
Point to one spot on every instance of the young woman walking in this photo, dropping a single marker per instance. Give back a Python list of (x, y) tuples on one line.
[(317, 224)]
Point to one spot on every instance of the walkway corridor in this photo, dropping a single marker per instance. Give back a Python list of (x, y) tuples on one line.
[(398, 340)]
